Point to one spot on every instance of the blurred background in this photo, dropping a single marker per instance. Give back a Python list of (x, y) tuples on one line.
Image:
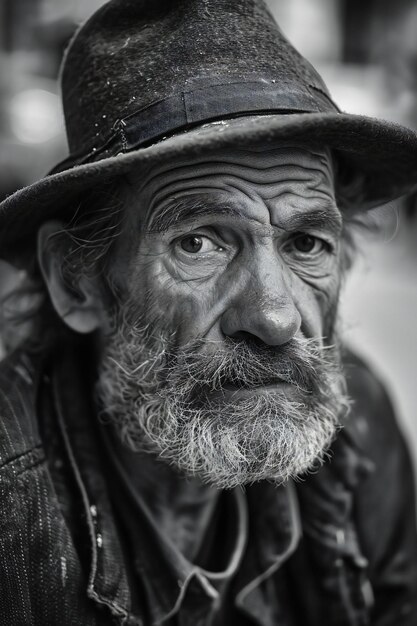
[(366, 50)]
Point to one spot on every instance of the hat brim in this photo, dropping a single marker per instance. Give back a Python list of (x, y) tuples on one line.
[(383, 154)]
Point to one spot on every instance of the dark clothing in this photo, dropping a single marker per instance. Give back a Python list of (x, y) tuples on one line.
[(220, 583), (66, 557)]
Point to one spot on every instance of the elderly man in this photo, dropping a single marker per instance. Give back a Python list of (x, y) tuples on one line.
[(185, 263)]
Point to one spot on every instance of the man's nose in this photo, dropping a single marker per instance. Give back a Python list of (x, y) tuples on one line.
[(263, 307)]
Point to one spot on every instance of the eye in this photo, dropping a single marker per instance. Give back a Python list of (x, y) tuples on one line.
[(193, 244), (308, 244)]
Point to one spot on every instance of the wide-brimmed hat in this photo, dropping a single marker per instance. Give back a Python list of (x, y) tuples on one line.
[(150, 80)]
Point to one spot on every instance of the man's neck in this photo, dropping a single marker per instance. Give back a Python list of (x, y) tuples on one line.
[(182, 508)]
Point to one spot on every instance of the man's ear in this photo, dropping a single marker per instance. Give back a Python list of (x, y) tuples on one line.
[(81, 308)]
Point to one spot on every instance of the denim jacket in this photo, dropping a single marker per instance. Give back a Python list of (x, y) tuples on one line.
[(61, 555)]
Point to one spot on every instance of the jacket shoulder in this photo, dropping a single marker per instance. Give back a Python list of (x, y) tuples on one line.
[(373, 422), (385, 500), (19, 431)]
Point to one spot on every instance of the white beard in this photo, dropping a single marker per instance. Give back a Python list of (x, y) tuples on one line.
[(170, 404)]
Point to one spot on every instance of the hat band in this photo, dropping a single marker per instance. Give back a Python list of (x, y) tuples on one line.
[(187, 109)]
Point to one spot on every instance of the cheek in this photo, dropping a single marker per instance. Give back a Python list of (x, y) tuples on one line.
[(317, 302), (183, 310)]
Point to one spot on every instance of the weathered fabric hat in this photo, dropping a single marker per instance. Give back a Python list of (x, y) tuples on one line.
[(151, 80)]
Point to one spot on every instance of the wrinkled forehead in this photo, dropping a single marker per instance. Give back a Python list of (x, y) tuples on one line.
[(270, 171)]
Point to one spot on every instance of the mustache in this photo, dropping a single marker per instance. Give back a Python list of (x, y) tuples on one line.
[(154, 361), (245, 364)]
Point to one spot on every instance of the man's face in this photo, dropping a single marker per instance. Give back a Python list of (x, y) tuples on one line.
[(220, 359)]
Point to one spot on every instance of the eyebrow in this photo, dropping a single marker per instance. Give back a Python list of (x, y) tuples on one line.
[(178, 211), (328, 218)]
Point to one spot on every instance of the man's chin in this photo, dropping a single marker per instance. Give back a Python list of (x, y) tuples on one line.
[(229, 474), (261, 436), (232, 394)]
